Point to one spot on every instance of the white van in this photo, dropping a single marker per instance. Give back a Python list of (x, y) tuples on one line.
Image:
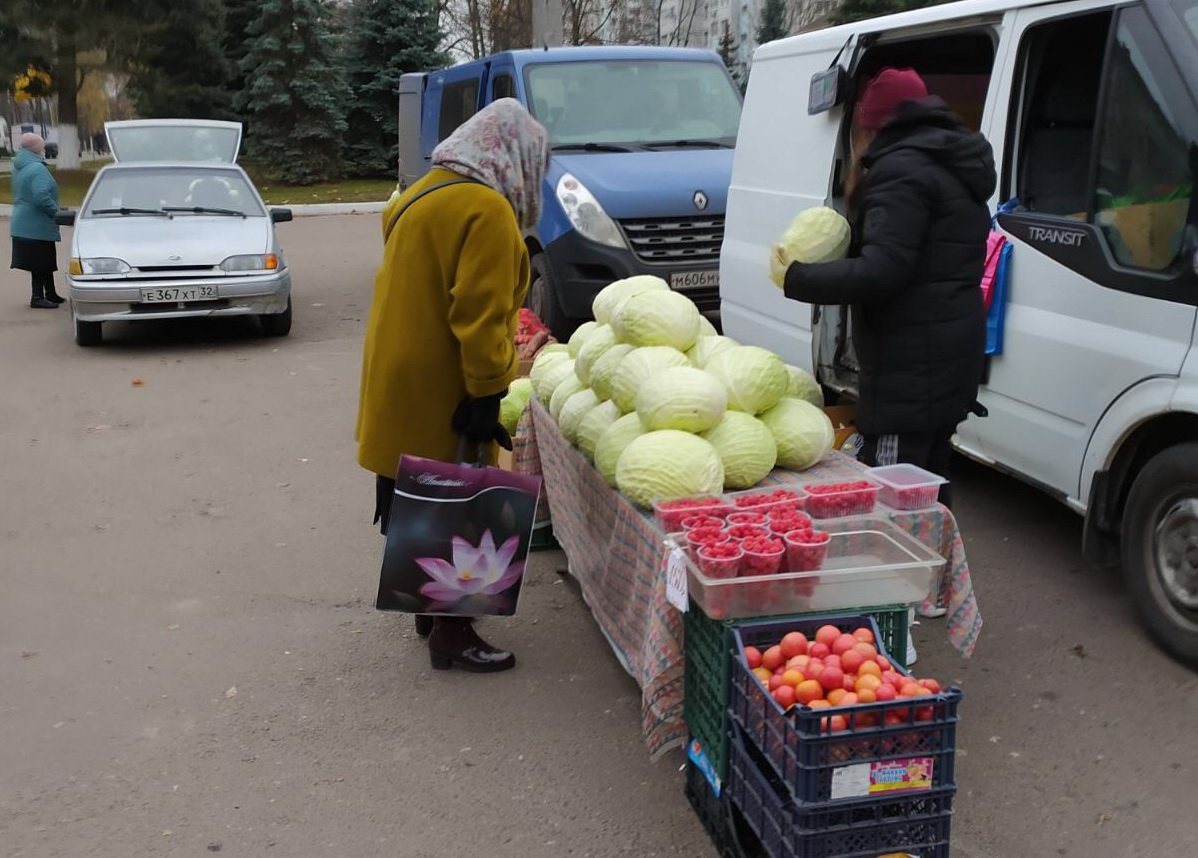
[(1092, 110)]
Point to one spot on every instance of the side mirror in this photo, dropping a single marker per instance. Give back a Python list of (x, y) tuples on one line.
[(828, 89), (280, 215), (65, 217)]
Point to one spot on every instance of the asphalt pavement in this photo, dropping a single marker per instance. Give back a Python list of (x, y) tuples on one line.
[(190, 661)]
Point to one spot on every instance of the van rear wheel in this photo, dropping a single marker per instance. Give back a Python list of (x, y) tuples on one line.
[(1160, 549), (543, 300)]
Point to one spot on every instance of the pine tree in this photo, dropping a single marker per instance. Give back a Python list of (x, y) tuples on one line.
[(727, 49), (387, 38), (180, 67), (295, 94), (773, 24), (239, 15)]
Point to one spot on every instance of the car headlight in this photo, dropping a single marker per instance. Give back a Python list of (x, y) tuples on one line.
[(251, 262), (585, 213), (99, 265)]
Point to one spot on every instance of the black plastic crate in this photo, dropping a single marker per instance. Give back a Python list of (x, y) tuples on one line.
[(917, 824), (807, 758), (725, 825), (708, 649)]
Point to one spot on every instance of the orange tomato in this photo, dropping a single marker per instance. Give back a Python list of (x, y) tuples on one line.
[(867, 682), (836, 695), (864, 635), (763, 675), (870, 668), (866, 695), (808, 691), (792, 678), (820, 704)]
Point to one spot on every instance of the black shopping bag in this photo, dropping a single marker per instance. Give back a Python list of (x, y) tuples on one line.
[(457, 539)]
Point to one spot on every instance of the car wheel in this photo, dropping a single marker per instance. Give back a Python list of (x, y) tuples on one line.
[(87, 333), (1160, 549), (543, 300), (277, 324)]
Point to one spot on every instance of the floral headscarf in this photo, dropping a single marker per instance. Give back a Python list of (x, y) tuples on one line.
[(504, 147)]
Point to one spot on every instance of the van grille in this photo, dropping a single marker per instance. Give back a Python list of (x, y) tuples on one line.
[(675, 239)]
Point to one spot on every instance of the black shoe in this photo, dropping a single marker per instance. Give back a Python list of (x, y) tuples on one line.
[(454, 643), (424, 625), (54, 298), (42, 304)]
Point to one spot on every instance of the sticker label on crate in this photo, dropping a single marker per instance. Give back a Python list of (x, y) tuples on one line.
[(866, 779), (676, 593), (697, 756)]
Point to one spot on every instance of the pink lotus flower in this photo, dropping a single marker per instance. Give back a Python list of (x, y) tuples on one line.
[(485, 570)]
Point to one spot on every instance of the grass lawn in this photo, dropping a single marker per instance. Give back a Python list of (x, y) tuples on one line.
[(73, 184)]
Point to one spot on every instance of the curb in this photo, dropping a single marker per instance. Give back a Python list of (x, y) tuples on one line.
[(301, 210)]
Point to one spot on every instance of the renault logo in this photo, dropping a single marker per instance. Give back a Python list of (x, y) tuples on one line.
[(700, 199)]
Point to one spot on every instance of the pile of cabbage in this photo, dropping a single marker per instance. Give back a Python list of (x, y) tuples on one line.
[(667, 408)]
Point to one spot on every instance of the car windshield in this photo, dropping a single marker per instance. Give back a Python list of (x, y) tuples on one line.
[(634, 103), (180, 191)]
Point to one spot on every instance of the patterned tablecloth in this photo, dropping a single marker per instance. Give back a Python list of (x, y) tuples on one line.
[(616, 554)]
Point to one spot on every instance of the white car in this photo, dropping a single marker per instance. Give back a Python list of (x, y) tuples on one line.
[(175, 229)]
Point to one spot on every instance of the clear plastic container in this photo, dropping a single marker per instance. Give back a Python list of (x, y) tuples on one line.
[(765, 500), (868, 561), (806, 549), (907, 487), (756, 518), (741, 532), (763, 562), (696, 539), (720, 562), (696, 521), (841, 499), (671, 513)]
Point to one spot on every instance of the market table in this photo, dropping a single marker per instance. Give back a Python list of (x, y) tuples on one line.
[(616, 553)]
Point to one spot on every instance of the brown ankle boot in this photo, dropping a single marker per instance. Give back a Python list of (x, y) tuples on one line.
[(454, 642)]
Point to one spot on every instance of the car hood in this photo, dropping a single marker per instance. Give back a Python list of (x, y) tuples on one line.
[(184, 240), (630, 184)]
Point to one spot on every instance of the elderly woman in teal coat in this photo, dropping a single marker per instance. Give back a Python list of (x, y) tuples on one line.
[(33, 229)]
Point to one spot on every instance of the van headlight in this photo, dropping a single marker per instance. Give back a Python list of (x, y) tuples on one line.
[(99, 265), (251, 262), (585, 213)]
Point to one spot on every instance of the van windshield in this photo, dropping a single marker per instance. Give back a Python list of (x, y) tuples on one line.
[(1188, 9), (635, 103)]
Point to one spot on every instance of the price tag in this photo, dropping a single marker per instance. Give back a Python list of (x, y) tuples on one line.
[(676, 579), (850, 781)]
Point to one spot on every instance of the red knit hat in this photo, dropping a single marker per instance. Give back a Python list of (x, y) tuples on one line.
[(885, 94)]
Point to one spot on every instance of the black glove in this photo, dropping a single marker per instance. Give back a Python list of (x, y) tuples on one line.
[(477, 420)]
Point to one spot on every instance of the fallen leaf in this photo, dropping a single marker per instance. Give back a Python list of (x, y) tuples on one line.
[(1079, 651), (137, 382), (231, 693)]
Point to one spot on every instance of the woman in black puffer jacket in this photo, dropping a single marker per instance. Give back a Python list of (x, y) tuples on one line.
[(918, 198)]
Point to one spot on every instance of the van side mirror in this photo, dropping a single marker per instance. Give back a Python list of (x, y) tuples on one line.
[(65, 217), (828, 89), (280, 215)]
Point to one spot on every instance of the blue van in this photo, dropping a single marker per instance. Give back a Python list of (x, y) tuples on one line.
[(642, 141)]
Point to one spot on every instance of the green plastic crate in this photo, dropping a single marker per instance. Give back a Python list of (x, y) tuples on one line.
[(708, 652)]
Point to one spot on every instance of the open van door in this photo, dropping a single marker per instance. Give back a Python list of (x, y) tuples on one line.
[(412, 165), (205, 141), (957, 64)]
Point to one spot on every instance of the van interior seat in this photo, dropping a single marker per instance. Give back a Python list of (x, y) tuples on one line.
[(1056, 153)]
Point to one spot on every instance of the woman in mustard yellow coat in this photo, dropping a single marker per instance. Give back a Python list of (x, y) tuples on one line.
[(439, 352)]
